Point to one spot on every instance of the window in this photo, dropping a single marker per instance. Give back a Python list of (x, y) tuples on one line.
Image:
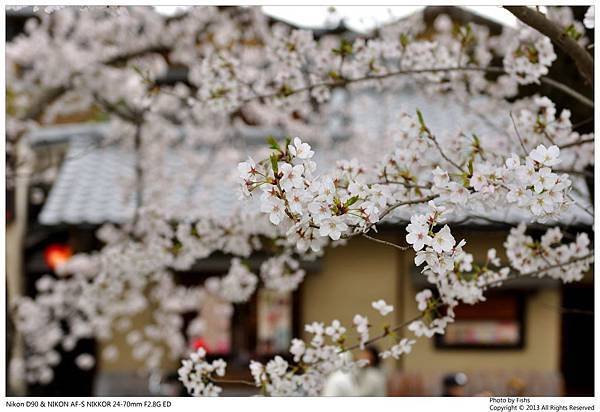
[(497, 323)]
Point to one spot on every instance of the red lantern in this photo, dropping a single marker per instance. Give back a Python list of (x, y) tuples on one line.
[(56, 254), (199, 343)]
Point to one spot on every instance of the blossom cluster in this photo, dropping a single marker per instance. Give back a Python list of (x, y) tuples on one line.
[(549, 256), (313, 209), (456, 278), (538, 121), (196, 374), (529, 56), (238, 285), (536, 186), (281, 273)]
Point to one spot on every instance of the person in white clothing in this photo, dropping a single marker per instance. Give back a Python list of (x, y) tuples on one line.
[(371, 380), (341, 383)]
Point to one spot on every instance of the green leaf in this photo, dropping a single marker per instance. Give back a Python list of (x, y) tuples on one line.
[(345, 48), (139, 71), (404, 40), (219, 92), (273, 143), (468, 35), (471, 167), (176, 248), (334, 75), (421, 121), (465, 180), (274, 163), (572, 32), (285, 91), (351, 201)]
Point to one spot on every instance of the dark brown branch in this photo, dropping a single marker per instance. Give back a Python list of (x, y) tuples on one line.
[(564, 88), (568, 310), (583, 173), (139, 174), (491, 69), (583, 122), (536, 20), (125, 57), (384, 334), (123, 112), (42, 103), (577, 143)]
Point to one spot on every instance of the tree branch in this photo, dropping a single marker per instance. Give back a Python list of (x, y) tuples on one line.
[(577, 143), (525, 151), (385, 242), (539, 271), (491, 69), (44, 101), (567, 90), (123, 58)]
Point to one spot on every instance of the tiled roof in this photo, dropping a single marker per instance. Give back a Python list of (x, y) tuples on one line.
[(87, 189)]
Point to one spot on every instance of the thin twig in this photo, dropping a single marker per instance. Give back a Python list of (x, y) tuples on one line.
[(404, 203), (518, 134), (452, 162), (233, 381), (583, 173), (385, 242), (384, 334), (568, 310), (539, 271), (576, 203)]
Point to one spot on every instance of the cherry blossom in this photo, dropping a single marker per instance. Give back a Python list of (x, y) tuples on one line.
[(588, 20), (362, 327), (418, 232), (300, 150), (399, 349), (545, 156), (382, 307)]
